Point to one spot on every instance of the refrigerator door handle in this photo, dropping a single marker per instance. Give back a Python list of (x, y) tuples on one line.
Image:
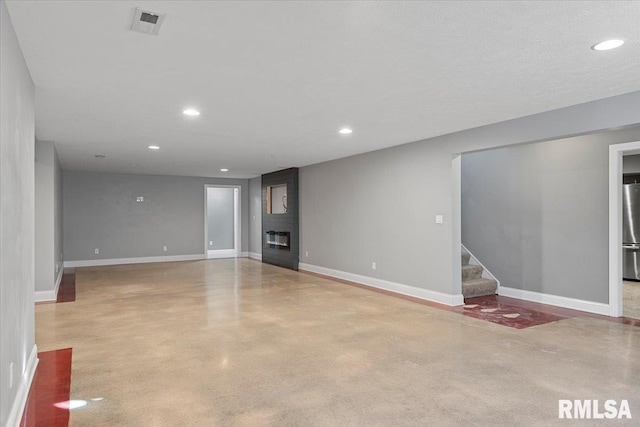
[(634, 247)]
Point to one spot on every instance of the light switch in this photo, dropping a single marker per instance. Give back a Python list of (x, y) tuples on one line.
[(439, 219)]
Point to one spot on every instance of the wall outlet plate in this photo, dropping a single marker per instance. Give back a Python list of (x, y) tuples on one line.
[(164, 248), (96, 251), (373, 265)]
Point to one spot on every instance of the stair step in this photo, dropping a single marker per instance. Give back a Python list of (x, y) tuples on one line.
[(471, 272), (465, 258), (478, 287)]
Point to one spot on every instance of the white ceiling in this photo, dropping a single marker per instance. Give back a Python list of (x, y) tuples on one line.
[(275, 81)]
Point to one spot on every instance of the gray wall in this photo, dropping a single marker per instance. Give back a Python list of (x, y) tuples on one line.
[(58, 231), (380, 206), (631, 164), (255, 215), (220, 219), (100, 211), (48, 216), (537, 215), (17, 139)]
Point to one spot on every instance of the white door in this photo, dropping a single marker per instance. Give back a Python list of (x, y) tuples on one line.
[(221, 221)]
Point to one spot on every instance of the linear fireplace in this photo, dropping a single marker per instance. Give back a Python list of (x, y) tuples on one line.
[(277, 240)]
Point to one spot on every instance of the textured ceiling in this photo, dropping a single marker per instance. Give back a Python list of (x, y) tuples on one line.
[(275, 81)]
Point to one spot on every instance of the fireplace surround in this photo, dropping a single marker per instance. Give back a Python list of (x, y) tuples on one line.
[(280, 218)]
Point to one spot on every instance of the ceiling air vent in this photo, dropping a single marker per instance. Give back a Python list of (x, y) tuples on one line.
[(147, 22)]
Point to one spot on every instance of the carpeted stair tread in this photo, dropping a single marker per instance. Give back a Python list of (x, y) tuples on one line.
[(471, 272), (465, 258), (479, 287)]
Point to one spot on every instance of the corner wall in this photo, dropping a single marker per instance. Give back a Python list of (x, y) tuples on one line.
[(380, 206), (48, 221), (18, 352), (101, 212)]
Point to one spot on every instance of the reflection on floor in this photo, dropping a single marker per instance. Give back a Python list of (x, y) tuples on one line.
[(47, 404), (237, 342), (67, 290), (631, 299)]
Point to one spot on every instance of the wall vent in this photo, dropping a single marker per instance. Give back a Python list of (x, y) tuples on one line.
[(147, 22)]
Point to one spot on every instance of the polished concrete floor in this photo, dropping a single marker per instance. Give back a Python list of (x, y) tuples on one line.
[(240, 343), (631, 299)]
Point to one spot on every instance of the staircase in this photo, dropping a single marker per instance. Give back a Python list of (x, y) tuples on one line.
[(473, 284)]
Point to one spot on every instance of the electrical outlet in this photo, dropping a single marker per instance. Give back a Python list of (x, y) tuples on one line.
[(164, 248), (96, 251), (439, 219), (210, 242), (254, 217), (11, 375), (306, 254), (139, 199), (373, 265)]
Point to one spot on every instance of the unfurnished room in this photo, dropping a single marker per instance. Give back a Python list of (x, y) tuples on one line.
[(319, 213)]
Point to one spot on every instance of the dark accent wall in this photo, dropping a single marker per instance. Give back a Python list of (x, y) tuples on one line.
[(288, 222)]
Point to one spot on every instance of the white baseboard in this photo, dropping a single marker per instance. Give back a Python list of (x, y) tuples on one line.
[(59, 279), (222, 253), (138, 260), (45, 296), (399, 288), (52, 295), (244, 254), (565, 302), (255, 255), (17, 409)]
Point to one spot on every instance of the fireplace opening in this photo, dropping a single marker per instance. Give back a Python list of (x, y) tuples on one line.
[(277, 240)]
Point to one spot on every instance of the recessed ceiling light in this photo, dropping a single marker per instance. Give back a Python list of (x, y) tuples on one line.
[(154, 147), (191, 112), (224, 170), (608, 44), (345, 131)]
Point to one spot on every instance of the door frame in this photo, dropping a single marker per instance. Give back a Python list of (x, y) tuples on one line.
[(616, 152), (237, 232)]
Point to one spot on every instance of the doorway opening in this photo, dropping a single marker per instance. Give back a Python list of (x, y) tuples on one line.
[(221, 221), (613, 277), (621, 292)]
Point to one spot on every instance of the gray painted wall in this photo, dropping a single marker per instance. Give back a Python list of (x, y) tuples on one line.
[(537, 215), (100, 211), (380, 206), (48, 216), (17, 137), (255, 215), (58, 231), (631, 164), (220, 219)]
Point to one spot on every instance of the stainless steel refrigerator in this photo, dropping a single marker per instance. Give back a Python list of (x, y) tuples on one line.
[(631, 231)]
